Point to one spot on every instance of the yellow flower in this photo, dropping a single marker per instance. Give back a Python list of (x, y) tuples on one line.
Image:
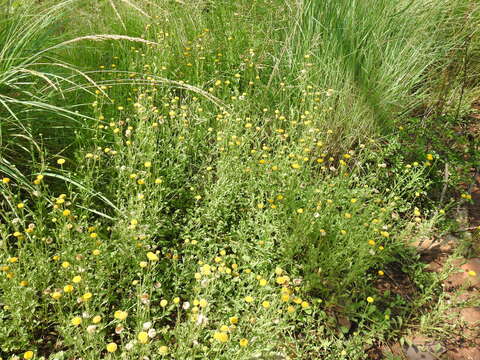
[(151, 256), (429, 157), (77, 320), (56, 295), (96, 252), (370, 299), (220, 336), (291, 309), (233, 320), (266, 304), (296, 166), (87, 296), (77, 279), (285, 297), (66, 212), (61, 161), (300, 211), (96, 319), (20, 205), (147, 164), (262, 282), (120, 315), (305, 305), (163, 303), (243, 342), (381, 273), (371, 242), (224, 328), (163, 350), (281, 280), (203, 303), (112, 347), (142, 337), (472, 273), (248, 299), (13, 259), (68, 288), (5, 180), (28, 355)]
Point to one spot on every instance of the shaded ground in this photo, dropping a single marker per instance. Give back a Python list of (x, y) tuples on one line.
[(459, 333)]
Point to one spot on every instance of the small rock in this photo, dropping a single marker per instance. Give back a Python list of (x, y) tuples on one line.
[(435, 266), (471, 315), (414, 353), (469, 275), (424, 244), (471, 353), (423, 348)]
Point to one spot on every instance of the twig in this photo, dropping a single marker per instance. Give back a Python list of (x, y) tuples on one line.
[(446, 174)]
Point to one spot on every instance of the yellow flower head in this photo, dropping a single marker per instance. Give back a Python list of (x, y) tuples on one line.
[(56, 295), (142, 337), (220, 336), (248, 299), (243, 342), (77, 320), (112, 347), (120, 315), (152, 256), (28, 355)]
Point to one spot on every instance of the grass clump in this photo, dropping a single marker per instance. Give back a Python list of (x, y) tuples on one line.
[(214, 180)]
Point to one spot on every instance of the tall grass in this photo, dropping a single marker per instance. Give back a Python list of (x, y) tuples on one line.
[(32, 84), (225, 172)]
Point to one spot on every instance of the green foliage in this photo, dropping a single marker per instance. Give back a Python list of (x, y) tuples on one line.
[(224, 172)]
